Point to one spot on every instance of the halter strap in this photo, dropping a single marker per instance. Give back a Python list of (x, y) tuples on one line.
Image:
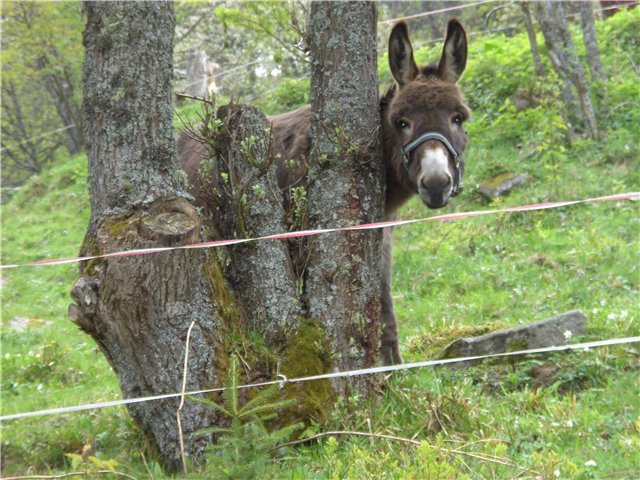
[(412, 145)]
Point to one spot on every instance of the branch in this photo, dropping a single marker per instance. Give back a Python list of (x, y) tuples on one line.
[(190, 97), (361, 434), (183, 455)]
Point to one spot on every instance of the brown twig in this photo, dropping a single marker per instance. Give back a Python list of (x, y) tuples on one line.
[(361, 434), (183, 455), (71, 474), (191, 97)]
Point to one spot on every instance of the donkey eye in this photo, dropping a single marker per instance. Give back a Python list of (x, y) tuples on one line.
[(458, 119), (402, 124)]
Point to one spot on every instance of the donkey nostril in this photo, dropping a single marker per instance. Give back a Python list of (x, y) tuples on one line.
[(437, 184)]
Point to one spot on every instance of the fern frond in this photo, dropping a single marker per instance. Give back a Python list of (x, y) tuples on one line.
[(206, 431), (262, 397), (268, 407), (212, 404), (230, 395)]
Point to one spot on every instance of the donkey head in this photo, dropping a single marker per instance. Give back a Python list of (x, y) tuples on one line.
[(423, 116)]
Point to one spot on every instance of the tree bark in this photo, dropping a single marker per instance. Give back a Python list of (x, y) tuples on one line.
[(138, 309), (344, 274)]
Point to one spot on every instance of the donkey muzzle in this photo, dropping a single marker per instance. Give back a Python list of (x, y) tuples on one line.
[(412, 145)]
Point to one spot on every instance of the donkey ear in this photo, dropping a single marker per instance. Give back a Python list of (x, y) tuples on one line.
[(403, 66), (454, 53)]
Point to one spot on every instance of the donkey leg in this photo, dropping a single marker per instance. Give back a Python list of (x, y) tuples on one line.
[(389, 350)]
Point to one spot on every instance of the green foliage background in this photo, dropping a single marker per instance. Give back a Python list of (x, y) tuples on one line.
[(571, 415), (39, 39)]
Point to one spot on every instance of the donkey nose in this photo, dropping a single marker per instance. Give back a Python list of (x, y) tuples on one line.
[(437, 184)]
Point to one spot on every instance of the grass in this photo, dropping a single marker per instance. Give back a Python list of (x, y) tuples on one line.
[(566, 415), (450, 279)]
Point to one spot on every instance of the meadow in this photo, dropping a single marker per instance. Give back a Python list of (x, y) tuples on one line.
[(564, 415)]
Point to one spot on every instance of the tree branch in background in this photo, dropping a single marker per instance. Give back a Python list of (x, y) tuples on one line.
[(588, 24), (564, 59), (533, 42)]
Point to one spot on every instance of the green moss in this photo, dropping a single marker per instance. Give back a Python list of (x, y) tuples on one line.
[(235, 337), (498, 179), (517, 344), (91, 249), (117, 226), (221, 294), (308, 353)]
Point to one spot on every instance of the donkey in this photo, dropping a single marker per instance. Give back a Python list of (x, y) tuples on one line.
[(422, 114)]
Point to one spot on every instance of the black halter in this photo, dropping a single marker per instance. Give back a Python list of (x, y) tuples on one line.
[(412, 145)]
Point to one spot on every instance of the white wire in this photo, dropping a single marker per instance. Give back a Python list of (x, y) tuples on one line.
[(349, 373), (435, 12), (239, 67), (38, 136)]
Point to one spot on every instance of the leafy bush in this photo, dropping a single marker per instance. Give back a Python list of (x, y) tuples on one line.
[(289, 95)]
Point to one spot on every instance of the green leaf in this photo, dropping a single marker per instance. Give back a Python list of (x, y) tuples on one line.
[(76, 460)]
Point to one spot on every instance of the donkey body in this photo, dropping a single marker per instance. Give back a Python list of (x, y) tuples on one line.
[(423, 141)]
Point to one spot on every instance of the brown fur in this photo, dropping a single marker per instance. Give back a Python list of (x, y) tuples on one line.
[(428, 98)]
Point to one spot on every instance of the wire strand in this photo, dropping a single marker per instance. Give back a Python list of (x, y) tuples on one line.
[(327, 376)]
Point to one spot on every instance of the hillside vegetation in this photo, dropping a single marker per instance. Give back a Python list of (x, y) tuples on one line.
[(566, 415)]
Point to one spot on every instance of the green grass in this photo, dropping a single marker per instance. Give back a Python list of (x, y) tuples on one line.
[(450, 279), (567, 415)]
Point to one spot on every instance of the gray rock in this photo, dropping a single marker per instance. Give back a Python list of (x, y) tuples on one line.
[(554, 331), (21, 324), (503, 184)]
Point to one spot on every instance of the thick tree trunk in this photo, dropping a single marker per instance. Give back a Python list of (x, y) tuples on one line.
[(281, 315), (565, 61), (138, 309), (344, 274), (259, 274)]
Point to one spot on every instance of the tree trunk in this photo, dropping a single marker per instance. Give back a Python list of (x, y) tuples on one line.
[(281, 316), (344, 276), (138, 309), (588, 24), (197, 77), (533, 42), (565, 61)]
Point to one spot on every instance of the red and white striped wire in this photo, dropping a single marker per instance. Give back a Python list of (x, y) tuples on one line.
[(307, 233)]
